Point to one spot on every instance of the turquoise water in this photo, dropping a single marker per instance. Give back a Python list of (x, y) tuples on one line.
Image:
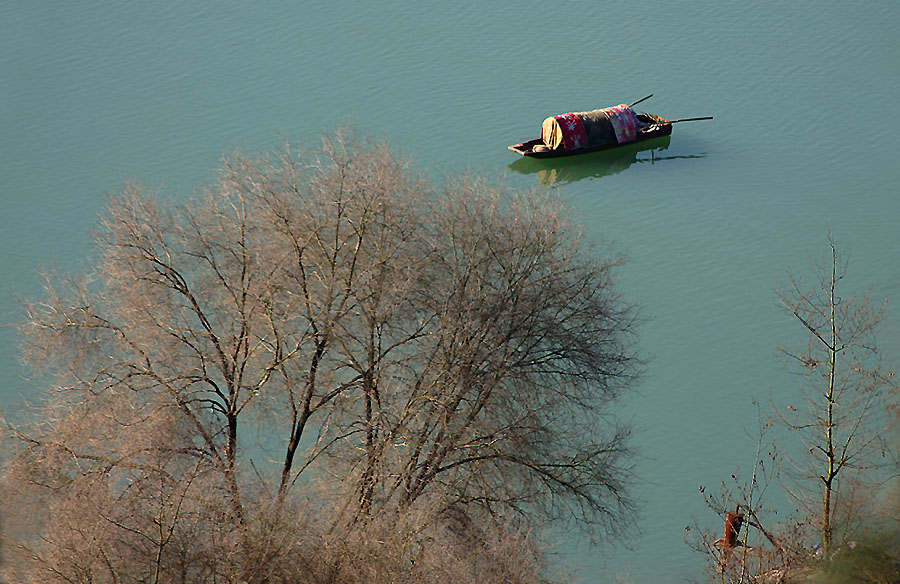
[(803, 95)]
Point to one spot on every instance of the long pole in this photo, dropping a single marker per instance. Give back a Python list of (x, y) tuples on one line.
[(640, 100), (689, 119)]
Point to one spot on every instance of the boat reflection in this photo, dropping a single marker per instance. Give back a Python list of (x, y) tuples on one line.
[(568, 169)]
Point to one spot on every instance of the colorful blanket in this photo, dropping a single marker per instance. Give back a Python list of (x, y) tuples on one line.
[(623, 122), (574, 136)]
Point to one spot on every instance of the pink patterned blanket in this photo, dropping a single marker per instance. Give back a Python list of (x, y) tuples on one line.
[(574, 136), (623, 122)]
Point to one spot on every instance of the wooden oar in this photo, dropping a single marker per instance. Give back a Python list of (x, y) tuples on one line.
[(689, 120), (640, 100)]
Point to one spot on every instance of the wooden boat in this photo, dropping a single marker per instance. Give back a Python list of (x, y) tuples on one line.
[(535, 148), (592, 131)]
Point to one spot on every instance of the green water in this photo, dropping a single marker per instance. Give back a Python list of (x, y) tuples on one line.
[(803, 94)]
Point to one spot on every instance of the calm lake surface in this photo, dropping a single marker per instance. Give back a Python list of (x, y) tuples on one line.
[(803, 93)]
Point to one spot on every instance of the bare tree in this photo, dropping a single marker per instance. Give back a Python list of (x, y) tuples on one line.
[(842, 421), (458, 352), (843, 451)]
